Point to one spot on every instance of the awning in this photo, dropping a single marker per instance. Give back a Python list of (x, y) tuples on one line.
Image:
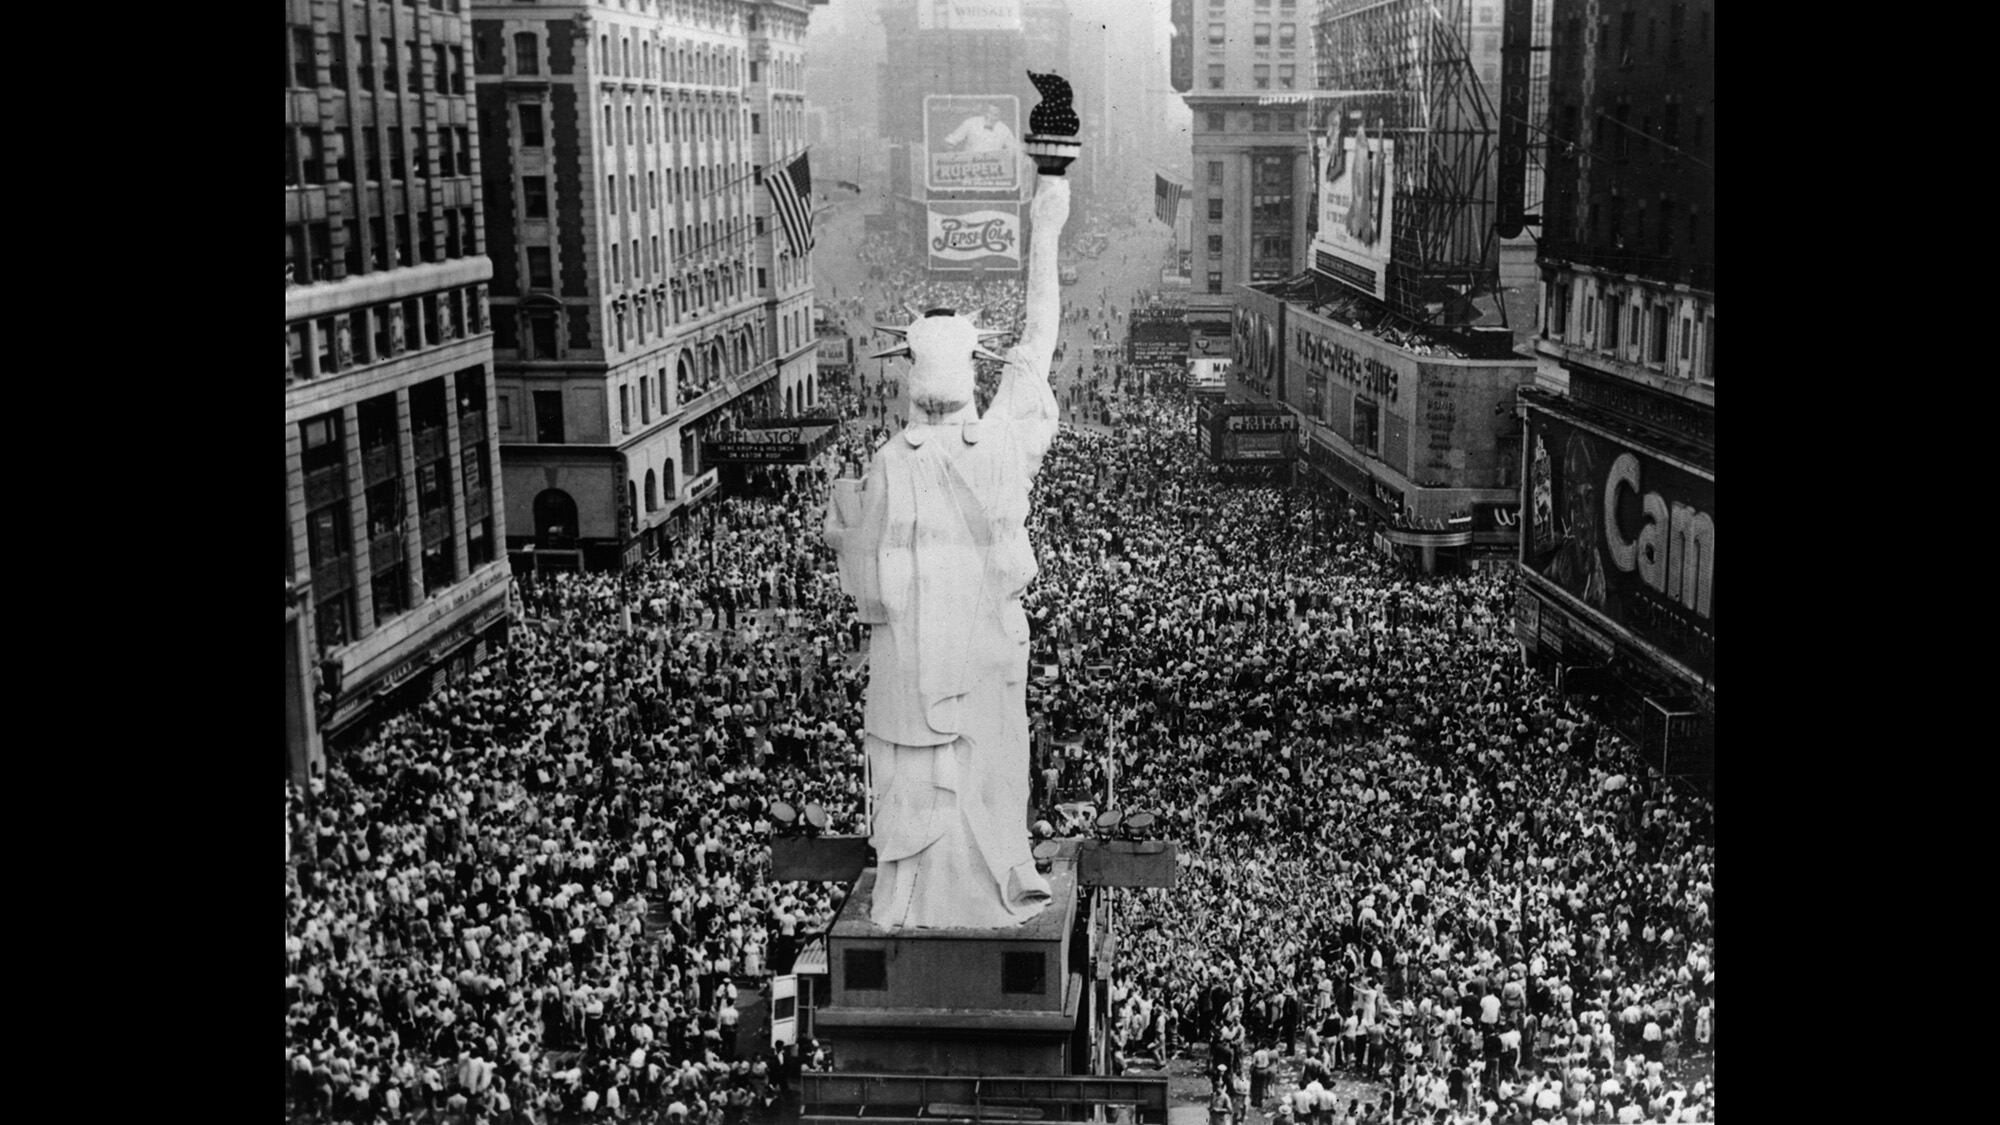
[(813, 958)]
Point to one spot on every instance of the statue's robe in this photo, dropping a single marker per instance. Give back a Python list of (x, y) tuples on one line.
[(935, 551)]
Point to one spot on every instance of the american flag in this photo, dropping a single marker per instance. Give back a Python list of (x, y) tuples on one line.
[(791, 196), (1167, 198)]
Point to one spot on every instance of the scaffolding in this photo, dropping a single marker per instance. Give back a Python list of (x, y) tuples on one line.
[(1411, 60)]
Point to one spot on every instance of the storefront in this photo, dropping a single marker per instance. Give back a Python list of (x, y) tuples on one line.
[(1617, 571), (1426, 446)]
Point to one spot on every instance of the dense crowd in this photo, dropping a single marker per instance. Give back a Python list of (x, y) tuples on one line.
[(539, 896), (1405, 857)]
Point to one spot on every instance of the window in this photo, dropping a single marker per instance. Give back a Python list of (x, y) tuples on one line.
[(549, 417), (1260, 76), (1024, 971), (1261, 122), (1215, 246), (302, 70), (541, 268), (1288, 36), (437, 566), (1215, 210), (1658, 337), (1218, 34), (625, 408), (1215, 76), (1215, 281), (531, 126), (1288, 77), (1260, 35), (1218, 122), (364, 56), (1367, 425), (527, 53), (1687, 338), (1611, 325), (392, 79), (542, 337), (866, 970)]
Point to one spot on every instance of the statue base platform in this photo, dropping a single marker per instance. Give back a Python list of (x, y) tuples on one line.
[(958, 1002)]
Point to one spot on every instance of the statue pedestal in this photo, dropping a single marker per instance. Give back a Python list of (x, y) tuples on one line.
[(958, 1002)]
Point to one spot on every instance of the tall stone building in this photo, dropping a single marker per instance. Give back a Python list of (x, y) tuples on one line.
[(1617, 576), (393, 510), (1253, 175), (644, 298)]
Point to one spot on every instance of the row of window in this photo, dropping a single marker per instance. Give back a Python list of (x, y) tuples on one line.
[(541, 326), (1676, 337), (387, 508), (404, 68), (310, 160), (1260, 35), (310, 254), (1218, 122), (1640, 231), (329, 345), (1569, 38), (1260, 76), (1617, 137), (1262, 5), (680, 121)]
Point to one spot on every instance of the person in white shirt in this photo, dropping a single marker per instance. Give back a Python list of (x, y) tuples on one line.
[(982, 132)]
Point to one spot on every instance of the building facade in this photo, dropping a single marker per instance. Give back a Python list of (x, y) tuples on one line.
[(1252, 157), (393, 508), (1617, 583), (640, 304), (1414, 433)]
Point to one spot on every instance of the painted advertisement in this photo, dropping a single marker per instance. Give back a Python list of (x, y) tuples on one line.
[(969, 15), (1626, 533), (972, 142), (965, 236), (1357, 203)]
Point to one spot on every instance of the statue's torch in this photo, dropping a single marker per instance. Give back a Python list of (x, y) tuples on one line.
[(1052, 126)]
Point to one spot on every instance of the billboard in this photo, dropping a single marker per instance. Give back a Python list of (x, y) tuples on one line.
[(1357, 205), (1626, 533), (1181, 57), (969, 15), (972, 142), (965, 236), (1247, 433), (834, 349)]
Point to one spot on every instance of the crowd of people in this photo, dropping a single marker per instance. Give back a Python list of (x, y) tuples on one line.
[(541, 895), (1405, 856)]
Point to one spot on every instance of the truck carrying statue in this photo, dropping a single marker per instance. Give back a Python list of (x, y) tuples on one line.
[(933, 545)]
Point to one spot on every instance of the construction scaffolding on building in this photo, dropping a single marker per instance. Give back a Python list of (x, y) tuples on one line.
[(1408, 65)]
